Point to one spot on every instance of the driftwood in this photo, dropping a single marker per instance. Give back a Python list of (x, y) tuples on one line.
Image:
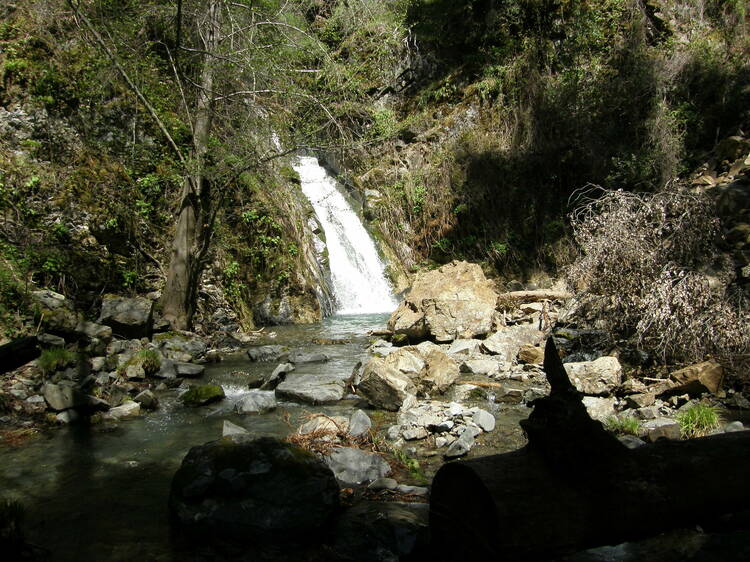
[(18, 352), (536, 295), (575, 486)]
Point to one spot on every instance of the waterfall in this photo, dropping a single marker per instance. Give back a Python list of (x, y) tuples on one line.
[(357, 273)]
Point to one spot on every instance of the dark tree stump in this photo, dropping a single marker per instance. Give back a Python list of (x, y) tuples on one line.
[(575, 486)]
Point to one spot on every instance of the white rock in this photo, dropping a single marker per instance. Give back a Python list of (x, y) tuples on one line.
[(484, 420)]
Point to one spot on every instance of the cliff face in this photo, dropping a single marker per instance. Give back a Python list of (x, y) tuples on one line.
[(464, 128)]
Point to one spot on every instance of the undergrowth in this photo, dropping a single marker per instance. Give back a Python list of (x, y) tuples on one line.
[(698, 420)]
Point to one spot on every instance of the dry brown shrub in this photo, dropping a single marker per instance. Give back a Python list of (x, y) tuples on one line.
[(654, 258)]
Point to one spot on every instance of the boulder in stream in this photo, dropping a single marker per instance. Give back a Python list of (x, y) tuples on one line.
[(313, 389), (249, 491), (268, 353), (200, 395), (383, 386), (256, 402), (453, 301)]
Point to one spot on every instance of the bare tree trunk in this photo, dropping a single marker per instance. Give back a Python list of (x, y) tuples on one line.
[(193, 215)]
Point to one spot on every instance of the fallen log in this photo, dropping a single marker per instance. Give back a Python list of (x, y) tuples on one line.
[(536, 295), (18, 352), (575, 486)]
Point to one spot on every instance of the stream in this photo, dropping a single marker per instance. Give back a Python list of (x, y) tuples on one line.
[(100, 492)]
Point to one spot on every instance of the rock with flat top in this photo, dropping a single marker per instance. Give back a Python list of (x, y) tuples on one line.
[(128, 317), (383, 386), (256, 402), (312, 389), (597, 377)]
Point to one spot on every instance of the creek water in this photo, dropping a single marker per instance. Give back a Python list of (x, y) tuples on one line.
[(100, 492)]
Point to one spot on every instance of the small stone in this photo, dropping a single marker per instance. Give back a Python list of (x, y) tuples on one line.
[(135, 372), (662, 428), (393, 432), (631, 441), (414, 433), (441, 442), (649, 413), (127, 410), (50, 340), (299, 357), (412, 490), (640, 400), (277, 376), (383, 484), (229, 429), (353, 466), (442, 427), (460, 446), (455, 409), (484, 420), (359, 424), (68, 416), (731, 427)]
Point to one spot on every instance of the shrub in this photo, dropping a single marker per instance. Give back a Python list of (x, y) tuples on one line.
[(625, 425), (54, 359), (654, 259), (698, 421)]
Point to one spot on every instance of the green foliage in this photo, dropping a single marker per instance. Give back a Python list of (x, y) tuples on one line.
[(55, 359), (623, 425), (698, 420), (148, 359), (411, 464)]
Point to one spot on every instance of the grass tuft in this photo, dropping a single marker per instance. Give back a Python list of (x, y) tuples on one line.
[(625, 425), (698, 420)]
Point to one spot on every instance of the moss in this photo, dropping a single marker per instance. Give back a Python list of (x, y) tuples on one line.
[(54, 359), (148, 359), (201, 395)]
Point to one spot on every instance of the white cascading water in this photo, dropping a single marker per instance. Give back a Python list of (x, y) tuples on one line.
[(357, 273)]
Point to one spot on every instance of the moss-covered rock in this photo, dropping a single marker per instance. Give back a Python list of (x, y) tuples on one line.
[(203, 394)]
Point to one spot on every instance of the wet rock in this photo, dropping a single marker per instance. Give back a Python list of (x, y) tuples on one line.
[(353, 466), (484, 420), (382, 531), (313, 389), (661, 428), (277, 376), (453, 301), (56, 312), (359, 424), (124, 411), (61, 396), (256, 402), (189, 370), (266, 353), (147, 400), (298, 357), (229, 429), (383, 386), (201, 395), (597, 377), (383, 484), (507, 341), (128, 317), (249, 491)]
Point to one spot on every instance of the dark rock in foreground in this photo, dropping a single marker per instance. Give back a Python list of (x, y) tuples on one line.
[(252, 491)]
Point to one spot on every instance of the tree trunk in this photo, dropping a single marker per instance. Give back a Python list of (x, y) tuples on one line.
[(192, 230), (574, 486)]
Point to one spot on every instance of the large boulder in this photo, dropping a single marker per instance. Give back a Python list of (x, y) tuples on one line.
[(599, 377), (128, 317), (183, 347), (454, 301), (202, 394), (56, 313), (697, 379), (383, 386), (249, 491), (313, 389), (62, 396), (256, 402)]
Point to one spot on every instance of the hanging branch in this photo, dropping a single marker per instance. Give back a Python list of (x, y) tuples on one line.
[(128, 80)]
